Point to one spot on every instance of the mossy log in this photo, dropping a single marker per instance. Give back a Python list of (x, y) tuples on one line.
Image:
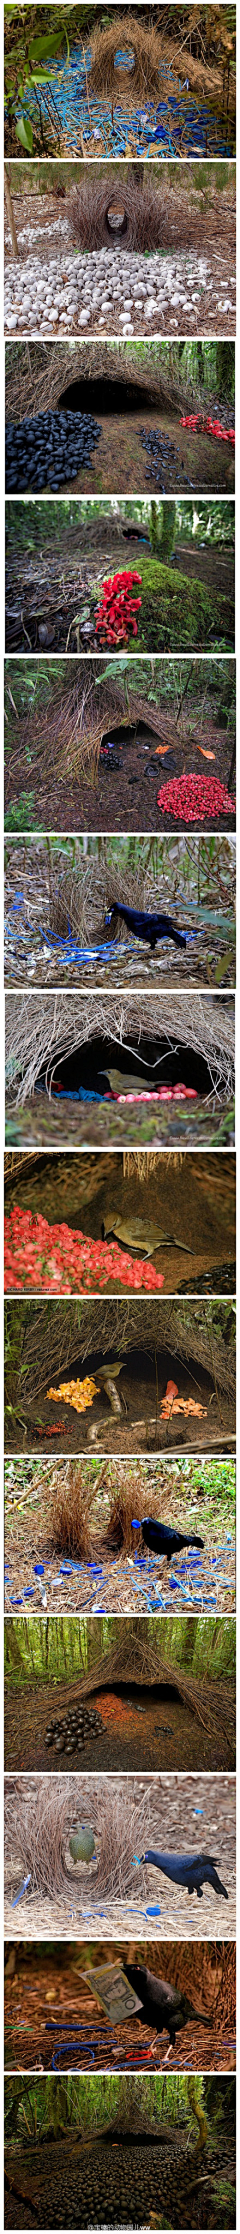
[(175, 612)]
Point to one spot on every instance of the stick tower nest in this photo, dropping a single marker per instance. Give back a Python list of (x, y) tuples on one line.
[(126, 36)]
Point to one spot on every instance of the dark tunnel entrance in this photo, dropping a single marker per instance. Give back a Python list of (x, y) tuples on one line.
[(100, 396), (106, 1067), (138, 1368), (145, 1693), (130, 2140)]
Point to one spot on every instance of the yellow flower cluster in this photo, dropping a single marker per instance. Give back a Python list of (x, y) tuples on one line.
[(77, 1393)]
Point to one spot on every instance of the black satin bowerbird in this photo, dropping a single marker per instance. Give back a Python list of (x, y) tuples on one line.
[(166, 1541), (163, 2006), (191, 1870), (148, 927)]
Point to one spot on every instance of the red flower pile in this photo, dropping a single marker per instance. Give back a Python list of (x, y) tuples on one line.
[(52, 1259), (194, 798), (202, 425), (115, 616)]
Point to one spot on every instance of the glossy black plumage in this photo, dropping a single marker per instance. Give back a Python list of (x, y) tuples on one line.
[(192, 1870), (167, 1541), (163, 2006), (148, 927)]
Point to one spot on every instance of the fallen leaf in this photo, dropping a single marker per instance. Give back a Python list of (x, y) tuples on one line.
[(206, 755)]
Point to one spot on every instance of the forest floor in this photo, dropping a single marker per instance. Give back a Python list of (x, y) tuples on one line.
[(69, 1431), (120, 463), (50, 588), (125, 794), (40, 1995), (102, 2181), (140, 1728), (44, 1123)]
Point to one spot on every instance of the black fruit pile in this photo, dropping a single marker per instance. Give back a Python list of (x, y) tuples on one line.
[(46, 452), (112, 2187), (69, 1735), (162, 456)]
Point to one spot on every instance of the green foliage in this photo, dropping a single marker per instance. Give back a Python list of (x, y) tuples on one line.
[(92, 2103), (52, 1651), (23, 812)]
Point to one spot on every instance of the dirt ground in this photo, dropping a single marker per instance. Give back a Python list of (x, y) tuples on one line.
[(43, 1123), (39, 1996), (57, 1424), (125, 796), (120, 462), (140, 1729)]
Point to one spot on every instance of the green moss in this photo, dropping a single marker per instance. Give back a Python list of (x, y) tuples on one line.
[(176, 612)]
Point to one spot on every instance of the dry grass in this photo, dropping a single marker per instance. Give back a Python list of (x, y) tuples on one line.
[(126, 1502), (73, 1496), (205, 1973), (127, 1814), (139, 85)]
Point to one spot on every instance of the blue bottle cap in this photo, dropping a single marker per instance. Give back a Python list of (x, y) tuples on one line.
[(152, 1912)]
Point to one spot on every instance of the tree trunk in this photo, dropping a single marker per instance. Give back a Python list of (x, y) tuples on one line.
[(225, 358), (9, 207)]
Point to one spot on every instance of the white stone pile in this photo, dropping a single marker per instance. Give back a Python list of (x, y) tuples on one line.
[(112, 292)]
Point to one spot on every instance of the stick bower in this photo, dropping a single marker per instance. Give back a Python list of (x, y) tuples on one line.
[(68, 732), (107, 214), (136, 1661), (59, 1333), (107, 76), (39, 380), (41, 1033)]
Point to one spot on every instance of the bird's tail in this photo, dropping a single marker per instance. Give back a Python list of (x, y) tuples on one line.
[(218, 1888), (198, 2017), (178, 936)]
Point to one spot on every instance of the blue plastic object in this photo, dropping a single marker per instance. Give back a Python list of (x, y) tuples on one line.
[(39, 1569), (80, 2036), (23, 1889)]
